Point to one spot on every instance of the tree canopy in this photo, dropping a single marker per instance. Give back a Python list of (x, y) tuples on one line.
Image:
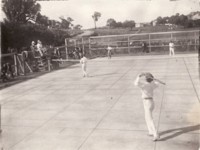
[(20, 10), (180, 20), (126, 24)]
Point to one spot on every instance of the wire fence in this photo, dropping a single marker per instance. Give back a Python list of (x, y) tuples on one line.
[(158, 43)]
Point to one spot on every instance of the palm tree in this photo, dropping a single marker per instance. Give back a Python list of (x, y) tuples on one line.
[(95, 17)]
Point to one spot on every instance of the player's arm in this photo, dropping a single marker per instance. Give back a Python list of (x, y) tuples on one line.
[(159, 81), (137, 80)]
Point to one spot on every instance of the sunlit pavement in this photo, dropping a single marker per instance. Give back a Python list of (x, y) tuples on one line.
[(62, 110)]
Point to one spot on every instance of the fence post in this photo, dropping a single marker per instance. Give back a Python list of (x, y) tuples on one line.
[(128, 45), (83, 47), (195, 38), (48, 63), (66, 50), (24, 62), (15, 64), (149, 42), (90, 48)]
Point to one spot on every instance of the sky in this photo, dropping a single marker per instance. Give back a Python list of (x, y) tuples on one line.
[(81, 11)]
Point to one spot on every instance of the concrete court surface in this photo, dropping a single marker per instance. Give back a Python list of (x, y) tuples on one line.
[(62, 110)]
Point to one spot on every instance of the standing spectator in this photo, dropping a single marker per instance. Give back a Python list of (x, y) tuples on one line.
[(79, 51), (171, 48), (144, 46), (33, 48), (83, 63), (39, 47), (109, 53)]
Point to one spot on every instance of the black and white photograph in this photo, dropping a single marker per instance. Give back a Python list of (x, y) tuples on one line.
[(100, 75)]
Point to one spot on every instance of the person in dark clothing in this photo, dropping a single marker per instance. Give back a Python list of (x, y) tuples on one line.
[(7, 72), (144, 46)]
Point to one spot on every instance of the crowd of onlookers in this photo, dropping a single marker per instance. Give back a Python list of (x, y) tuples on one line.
[(36, 56)]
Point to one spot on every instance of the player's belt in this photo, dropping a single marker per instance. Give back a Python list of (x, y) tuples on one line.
[(148, 98)]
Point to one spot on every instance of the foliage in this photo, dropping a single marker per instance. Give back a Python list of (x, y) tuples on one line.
[(16, 35), (77, 27), (65, 23), (179, 20), (129, 24), (20, 11), (126, 24), (111, 22), (42, 20)]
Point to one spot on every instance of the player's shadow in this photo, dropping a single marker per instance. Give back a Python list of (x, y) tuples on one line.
[(178, 131), (99, 75)]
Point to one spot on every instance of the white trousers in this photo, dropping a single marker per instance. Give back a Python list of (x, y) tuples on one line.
[(171, 52), (148, 109), (84, 70)]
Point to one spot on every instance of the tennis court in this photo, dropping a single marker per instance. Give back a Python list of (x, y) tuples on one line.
[(62, 110)]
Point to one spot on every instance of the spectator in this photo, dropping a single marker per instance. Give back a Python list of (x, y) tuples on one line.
[(144, 46), (39, 47)]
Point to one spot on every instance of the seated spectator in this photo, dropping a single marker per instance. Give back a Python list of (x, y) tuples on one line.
[(7, 72)]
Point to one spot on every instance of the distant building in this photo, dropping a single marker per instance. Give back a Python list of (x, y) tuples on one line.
[(171, 26), (137, 25), (143, 24), (154, 22), (195, 17)]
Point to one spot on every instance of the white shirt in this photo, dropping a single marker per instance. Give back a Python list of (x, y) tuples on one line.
[(171, 45), (83, 61), (39, 46), (147, 88), (109, 48)]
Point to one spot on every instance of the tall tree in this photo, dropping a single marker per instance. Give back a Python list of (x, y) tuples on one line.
[(65, 23), (129, 24), (20, 11), (111, 22), (96, 17), (43, 20)]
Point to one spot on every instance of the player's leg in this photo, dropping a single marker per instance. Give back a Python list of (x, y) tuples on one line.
[(83, 70), (149, 106), (147, 114), (173, 52)]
